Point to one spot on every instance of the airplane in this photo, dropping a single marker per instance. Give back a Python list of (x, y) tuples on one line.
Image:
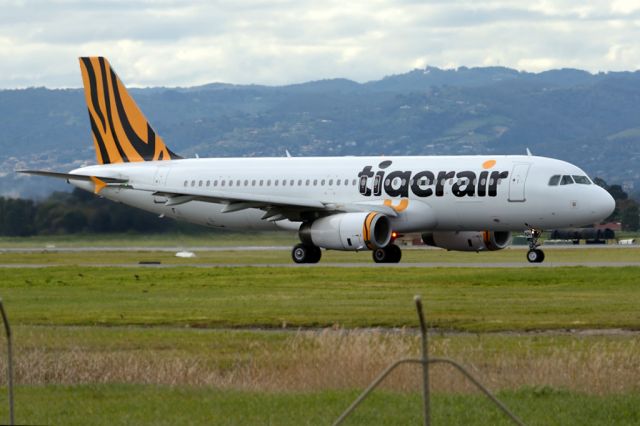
[(464, 203)]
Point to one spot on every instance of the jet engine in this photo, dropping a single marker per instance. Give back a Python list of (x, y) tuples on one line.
[(468, 240), (348, 231)]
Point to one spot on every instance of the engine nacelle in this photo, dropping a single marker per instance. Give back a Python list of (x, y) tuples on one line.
[(468, 240), (348, 231)]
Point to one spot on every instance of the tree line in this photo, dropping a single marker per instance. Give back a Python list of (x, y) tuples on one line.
[(627, 210), (76, 212), (82, 212)]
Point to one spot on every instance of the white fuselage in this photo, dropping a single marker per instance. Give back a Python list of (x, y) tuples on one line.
[(444, 193)]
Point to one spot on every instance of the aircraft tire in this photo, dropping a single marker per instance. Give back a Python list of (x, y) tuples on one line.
[(388, 254), (535, 256), (305, 253)]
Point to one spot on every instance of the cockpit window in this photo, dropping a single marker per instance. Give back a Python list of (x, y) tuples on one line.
[(583, 180), (555, 179), (566, 180)]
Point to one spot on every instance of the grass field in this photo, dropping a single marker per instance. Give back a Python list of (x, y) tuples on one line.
[(455, 299), (276, 345), (162, 405)]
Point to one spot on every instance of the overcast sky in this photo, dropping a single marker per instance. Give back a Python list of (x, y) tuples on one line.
[(186, 43)]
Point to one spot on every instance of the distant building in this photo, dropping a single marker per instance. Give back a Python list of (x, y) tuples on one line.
[(614, 226)]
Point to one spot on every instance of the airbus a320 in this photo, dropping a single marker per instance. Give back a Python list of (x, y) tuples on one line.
[(467, 203)]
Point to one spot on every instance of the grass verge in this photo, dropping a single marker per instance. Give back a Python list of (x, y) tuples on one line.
[(460, 299), (130, 404)]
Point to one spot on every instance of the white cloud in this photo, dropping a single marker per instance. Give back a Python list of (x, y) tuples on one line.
[(173, 42)]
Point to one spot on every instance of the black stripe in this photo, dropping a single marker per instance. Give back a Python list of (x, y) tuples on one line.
[(96, 134), (107, 99), (145, 149), (94, 91)]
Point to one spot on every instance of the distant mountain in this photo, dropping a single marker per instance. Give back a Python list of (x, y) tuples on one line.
[(592, 120)]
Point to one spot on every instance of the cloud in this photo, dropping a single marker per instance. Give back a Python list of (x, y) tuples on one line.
[(176, 43)]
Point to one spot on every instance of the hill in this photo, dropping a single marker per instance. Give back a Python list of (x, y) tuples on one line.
[(592, 120)]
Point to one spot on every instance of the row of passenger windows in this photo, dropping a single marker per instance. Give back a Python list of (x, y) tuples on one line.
[(568, 180), (308, 182), (268, 182)]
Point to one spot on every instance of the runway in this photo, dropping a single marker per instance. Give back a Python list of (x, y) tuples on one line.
[(80, 249), (425, 265)]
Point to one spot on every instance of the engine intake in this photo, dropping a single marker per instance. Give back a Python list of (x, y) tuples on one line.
[(348, 231), (468, 240)]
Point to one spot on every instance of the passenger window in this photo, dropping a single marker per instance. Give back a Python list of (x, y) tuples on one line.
[(338, 182), (346, 182), (261, 182), (186, 182), (253, 182), (208, 183), (238, 182), (284, 182), (330, 182), (291, 182), (275, 182), (193, 183), (222, 183), (353, 182), (269, 182), (230, 182), (215, 183), (555, 179), (246, 183), (583, 180), (315, 182), (307, 182), (566, 180), (322, 182), (299, 182)]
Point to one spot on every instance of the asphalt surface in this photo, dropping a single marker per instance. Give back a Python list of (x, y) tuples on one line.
[(425, 265), (80, 249)]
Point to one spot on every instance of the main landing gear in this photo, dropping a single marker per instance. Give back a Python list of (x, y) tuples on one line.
[(534, 255), (388, 254), (306, 253)]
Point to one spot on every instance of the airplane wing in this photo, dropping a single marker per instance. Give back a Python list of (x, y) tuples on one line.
[(275, 207)]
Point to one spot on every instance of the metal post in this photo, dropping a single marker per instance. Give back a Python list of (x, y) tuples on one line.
[(7, 330), (425, 363)]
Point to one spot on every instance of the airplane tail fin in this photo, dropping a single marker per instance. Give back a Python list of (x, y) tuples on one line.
[(121, 133)]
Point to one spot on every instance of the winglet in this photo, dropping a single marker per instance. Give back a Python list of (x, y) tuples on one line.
[(529, 152)]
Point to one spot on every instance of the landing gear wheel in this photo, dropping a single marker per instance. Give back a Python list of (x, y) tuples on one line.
[(305, 253), (535, 256), (388, 254)]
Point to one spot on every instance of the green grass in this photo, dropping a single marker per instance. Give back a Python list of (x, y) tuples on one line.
[(135, 404), (455, 298), (205, 238)]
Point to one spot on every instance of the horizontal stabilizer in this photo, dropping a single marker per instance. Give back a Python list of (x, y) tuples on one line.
[(72, 176)]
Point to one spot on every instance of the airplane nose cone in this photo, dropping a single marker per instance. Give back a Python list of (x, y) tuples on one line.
[(603, 204)]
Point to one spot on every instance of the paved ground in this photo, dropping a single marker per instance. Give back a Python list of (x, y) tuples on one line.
[(425, 265), (78, 249)]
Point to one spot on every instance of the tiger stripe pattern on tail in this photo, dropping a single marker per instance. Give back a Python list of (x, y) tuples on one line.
[(121, 133)]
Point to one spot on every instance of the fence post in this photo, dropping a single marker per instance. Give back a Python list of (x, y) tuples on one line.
[(7, 330), (426, 402)]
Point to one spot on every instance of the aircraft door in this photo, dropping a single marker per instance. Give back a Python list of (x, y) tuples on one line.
[(160, 178), (517, 182), (159, 181)]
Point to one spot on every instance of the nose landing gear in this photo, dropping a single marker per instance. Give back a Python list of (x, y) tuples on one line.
[(534, 255)]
